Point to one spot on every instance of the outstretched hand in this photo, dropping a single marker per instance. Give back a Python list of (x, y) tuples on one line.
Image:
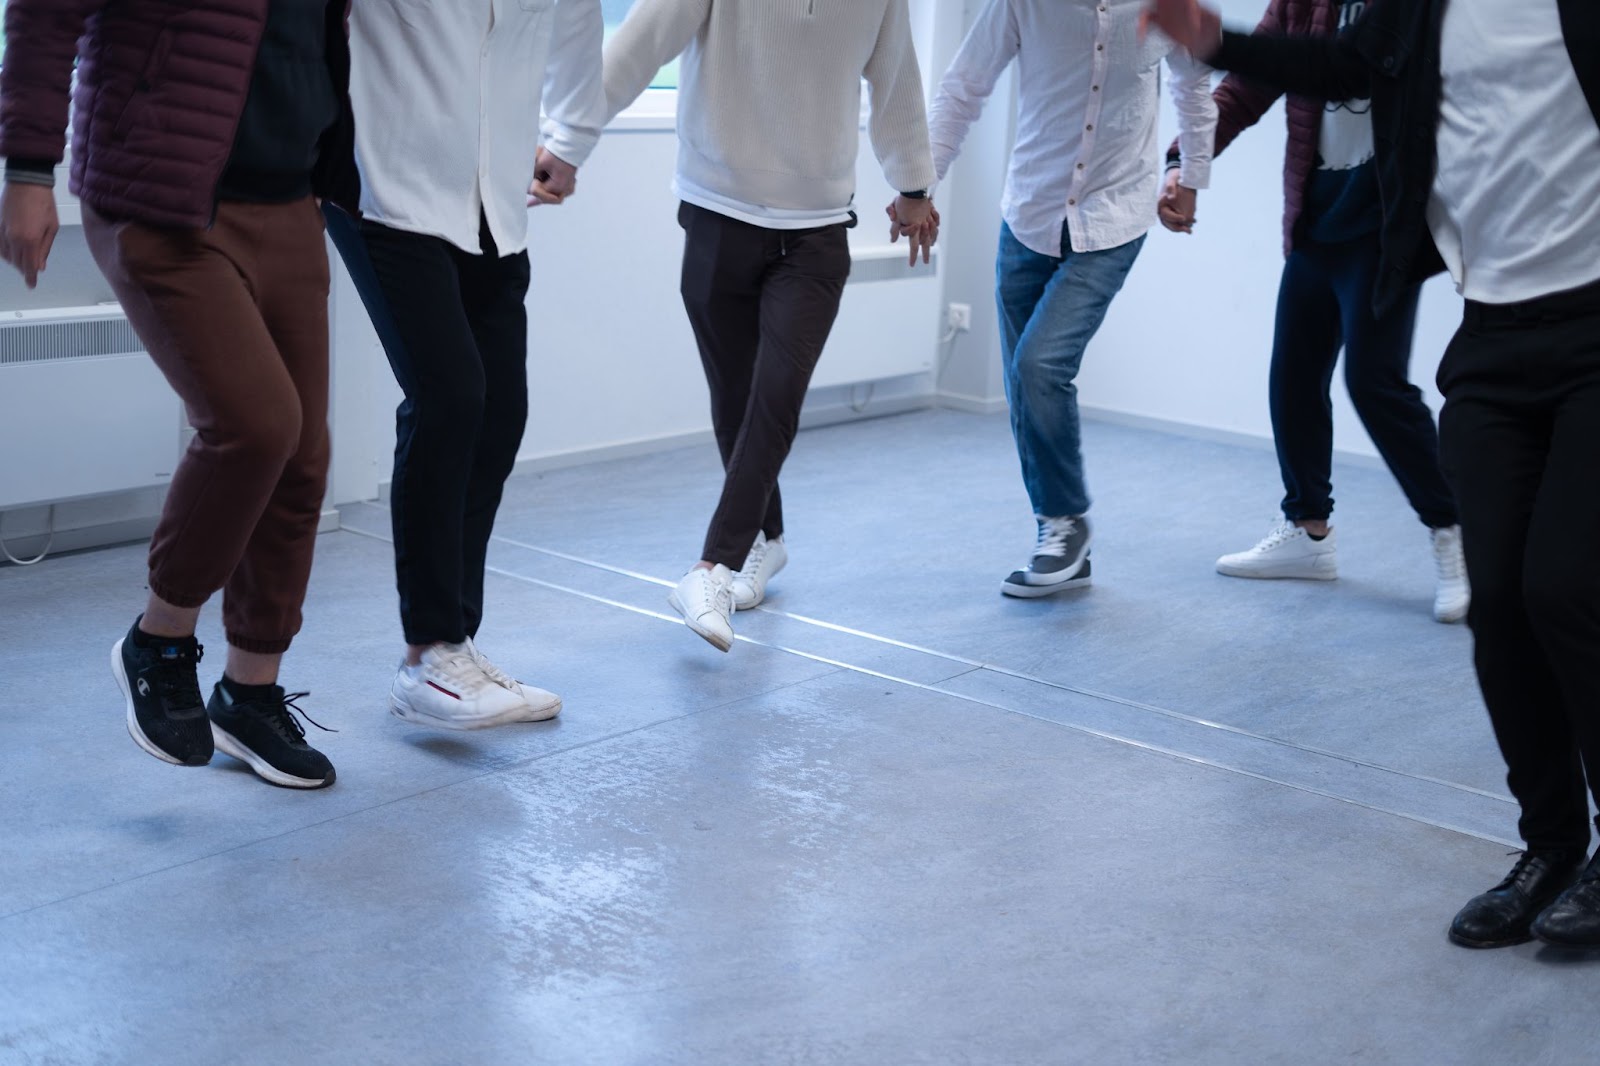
[(1197, 29), (554, 179), (917, 220)]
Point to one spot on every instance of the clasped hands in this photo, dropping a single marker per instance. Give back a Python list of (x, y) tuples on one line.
[(918, 221)]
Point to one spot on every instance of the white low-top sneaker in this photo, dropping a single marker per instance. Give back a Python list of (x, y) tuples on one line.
[(1286, 552), (449, 690), (705, 599), (766, 558), (1454, 594), (541, 705)]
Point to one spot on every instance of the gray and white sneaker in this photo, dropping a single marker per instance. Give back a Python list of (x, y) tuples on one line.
[(766, 558), (541, 705), (1060, 559), (705, 599)]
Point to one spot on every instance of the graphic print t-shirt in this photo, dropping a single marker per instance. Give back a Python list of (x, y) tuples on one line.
[(1342, 197)]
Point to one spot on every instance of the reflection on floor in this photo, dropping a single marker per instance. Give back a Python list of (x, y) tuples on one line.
[(1173, 818)]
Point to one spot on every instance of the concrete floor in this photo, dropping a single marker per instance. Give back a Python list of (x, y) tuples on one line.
[(1172, 819)]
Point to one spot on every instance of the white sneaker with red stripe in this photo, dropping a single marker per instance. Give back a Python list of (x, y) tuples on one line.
[(448, 689)]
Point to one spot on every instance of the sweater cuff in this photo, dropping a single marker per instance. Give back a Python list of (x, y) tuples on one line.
[(31, 172)]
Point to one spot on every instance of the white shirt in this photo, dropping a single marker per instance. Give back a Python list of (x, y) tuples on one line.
[(1086, 151), (446, 98), (1515, 208), (769, 101)]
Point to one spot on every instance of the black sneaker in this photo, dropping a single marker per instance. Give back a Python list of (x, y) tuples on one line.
[(166, 716), (260, 730), (1060, 560)]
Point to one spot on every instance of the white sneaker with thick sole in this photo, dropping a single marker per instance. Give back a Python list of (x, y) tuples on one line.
[(541, 705), (1454, 594), (1286, 552), (449, 690), (766, 558), (705, 599)]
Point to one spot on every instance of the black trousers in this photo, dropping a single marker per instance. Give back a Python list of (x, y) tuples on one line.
[(1521, 444), (762, 303), (1325, 303), (455, 328)]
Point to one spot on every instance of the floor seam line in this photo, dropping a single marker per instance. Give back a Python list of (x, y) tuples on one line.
[(1082, 729), (976, 665)]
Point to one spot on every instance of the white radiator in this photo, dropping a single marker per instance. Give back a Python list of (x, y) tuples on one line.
[(83, 411)]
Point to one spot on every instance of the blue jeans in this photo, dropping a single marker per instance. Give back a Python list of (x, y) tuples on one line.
[(1050, 308)]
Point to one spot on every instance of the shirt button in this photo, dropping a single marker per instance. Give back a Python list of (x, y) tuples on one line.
[(1080, 166), (1099, 48), (1072, 203), (1094, 88), (1090, 127)]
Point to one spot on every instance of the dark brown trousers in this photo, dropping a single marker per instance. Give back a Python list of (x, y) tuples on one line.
[(236, 317)]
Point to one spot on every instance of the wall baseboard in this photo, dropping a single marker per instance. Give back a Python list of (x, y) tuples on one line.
[(974, 405), (1211, 434)]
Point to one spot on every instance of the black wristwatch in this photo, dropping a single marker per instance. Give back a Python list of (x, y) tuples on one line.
[(920, 194)]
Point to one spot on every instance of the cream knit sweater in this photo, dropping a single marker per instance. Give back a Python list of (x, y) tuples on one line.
[(769, 102)]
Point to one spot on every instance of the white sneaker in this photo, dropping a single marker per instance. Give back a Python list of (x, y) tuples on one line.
[(766, 558), (1286, 552), (705, 599), (541, 705), (1454, 594), (449, 690)]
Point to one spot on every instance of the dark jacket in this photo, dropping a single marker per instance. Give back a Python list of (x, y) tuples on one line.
[(161, 87), (1241, 103), (1392, 57)]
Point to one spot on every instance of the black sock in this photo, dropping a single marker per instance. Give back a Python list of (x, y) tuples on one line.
[(150, 642), (248, 693), (1316, 538)]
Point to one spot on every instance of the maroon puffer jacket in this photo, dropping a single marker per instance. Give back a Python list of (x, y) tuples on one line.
[(1241, 103), (161, 87)]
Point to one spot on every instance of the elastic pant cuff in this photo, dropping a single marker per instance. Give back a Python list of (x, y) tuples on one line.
[(176, 597), (259, 647)]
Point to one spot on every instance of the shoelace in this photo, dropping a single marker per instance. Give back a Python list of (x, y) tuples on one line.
[(1054, 534), (177, 683), (1449, 562), (1282, 532), (753, 561), (495, 674), (462, 670), (717, 596), (284, 716)]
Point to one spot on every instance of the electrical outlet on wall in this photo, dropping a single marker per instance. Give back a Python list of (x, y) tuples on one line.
[(958, 317)]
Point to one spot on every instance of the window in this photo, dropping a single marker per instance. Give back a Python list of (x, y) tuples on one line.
[(614, 12)]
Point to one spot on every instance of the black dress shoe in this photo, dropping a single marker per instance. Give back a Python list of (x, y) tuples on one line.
[(1573, 920), (1502, 916)]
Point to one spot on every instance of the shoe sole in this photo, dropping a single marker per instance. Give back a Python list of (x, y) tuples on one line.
[(1276, 575), (1486, 945), (228, 744), (1083, 577), (1569, 945), (1450, 618), (145, 743), (406, 713), (1036, 592), (716, 640), (539, 714)]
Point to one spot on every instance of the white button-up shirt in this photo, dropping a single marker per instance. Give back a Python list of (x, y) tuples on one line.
[(1086, 151), (447, 97), (1516, 199)]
